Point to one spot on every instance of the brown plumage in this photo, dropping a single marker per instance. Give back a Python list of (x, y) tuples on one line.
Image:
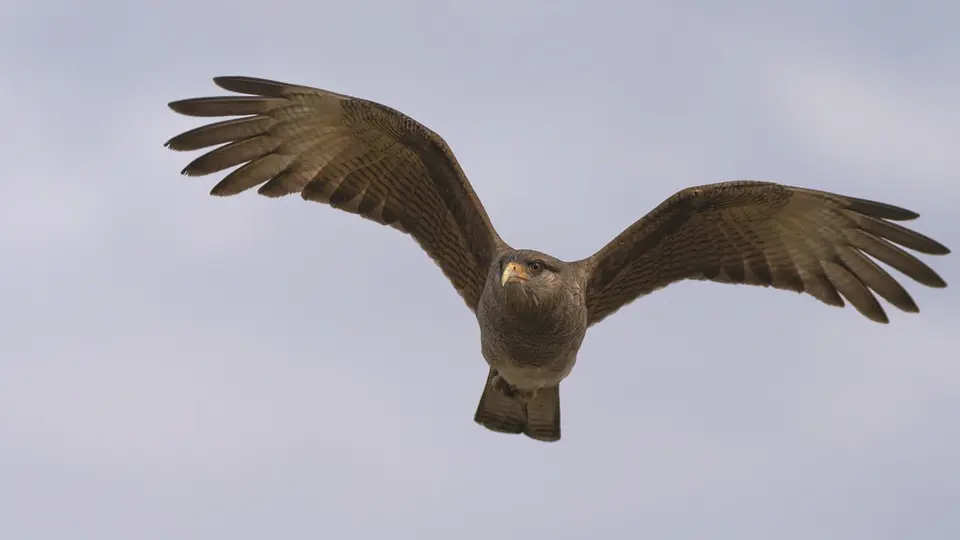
[(533, 309)]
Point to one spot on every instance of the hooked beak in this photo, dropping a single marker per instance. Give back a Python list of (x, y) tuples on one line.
[(513, 272)]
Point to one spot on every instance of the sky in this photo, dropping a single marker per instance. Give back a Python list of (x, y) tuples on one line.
[(175, 365)]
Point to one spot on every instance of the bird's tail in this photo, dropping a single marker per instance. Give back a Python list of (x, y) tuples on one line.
[(539, 419)]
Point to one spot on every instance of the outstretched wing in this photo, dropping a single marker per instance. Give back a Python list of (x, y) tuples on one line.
[(353, 154), (762, 233)]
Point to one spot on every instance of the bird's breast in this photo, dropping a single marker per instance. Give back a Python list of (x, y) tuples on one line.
[(531, 350)]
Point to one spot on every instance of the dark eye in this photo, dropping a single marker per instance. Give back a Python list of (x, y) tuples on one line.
[(536, 266)]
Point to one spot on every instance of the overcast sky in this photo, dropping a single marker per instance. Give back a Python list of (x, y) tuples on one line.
[(175, 365)]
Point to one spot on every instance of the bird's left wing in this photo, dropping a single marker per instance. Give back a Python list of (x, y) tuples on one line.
[(767, 234), (352, 154)]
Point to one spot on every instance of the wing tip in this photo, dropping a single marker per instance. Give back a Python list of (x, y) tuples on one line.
[(174, 144), (254, 86), (181, 106), (938, 249), (225, 81), (881, 210)]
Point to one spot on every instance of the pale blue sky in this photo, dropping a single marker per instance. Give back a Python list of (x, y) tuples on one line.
[(174, 365)]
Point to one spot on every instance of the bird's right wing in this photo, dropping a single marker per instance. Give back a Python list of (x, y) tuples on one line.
[(767, 234), (353, 154)]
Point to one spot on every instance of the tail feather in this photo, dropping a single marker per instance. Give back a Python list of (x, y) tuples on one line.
[(543, 415), (539, 419)]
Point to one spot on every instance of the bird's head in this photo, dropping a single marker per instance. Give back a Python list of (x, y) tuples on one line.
[(529, 279)]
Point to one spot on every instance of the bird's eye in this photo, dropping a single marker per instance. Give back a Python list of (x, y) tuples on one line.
[(536, 266)]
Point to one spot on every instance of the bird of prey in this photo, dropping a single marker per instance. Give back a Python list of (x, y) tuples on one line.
[(533, 310)]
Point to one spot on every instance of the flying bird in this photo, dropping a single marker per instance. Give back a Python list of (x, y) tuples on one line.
[(533, 309)]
